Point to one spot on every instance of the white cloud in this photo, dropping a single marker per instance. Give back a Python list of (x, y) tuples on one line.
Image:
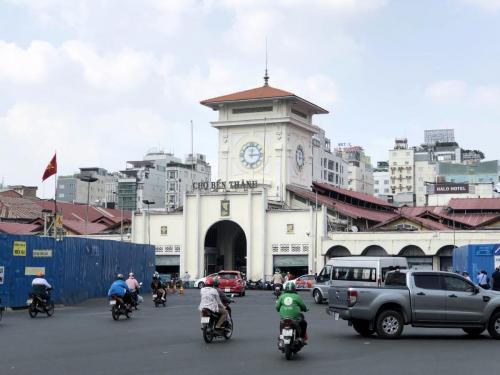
[(487, 95), (442, 91), (489, 5), (124, 70), (26, 65)]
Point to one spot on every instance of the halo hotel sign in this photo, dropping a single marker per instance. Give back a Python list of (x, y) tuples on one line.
[(451, 188)]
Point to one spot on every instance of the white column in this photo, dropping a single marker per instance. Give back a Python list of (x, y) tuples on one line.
[(197, 247), (249, 237), (265, 267), (312, 238), (183, 254)]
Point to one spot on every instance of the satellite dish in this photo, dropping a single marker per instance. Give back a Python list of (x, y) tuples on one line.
[(354, 228)]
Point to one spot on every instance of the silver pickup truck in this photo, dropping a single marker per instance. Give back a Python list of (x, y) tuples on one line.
[(420, 298)]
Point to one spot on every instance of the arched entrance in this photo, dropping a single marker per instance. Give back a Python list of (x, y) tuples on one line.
[(374, 251), (445, 255), (337, 251), (225, 247), (416, 258)]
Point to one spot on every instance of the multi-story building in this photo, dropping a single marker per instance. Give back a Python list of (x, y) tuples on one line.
[(381, 181), (425, 173), (360, 169), (401, 168), (328, 166), (483, 172), (72, 189), (434, 136), (142, 180), (182, 175)]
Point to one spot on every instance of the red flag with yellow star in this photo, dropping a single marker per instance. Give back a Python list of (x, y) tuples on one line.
[(51, 169)]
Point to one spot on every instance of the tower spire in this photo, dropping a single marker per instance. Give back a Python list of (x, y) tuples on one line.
[(266, 76)]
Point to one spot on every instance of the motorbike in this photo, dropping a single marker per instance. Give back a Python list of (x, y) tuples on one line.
[(252, 285), (38, 304), (277, 290), (209, 320), (118, 308), (289, 341), (136, 298), (157, 300)]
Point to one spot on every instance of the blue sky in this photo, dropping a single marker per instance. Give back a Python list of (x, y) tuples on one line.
[(103, 82)]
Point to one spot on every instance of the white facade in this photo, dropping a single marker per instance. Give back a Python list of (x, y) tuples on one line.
[(425, 173), (360, 170), (382, 186), (401, 168), (328, 166)]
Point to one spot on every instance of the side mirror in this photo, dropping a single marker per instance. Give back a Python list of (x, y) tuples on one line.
[(140, 284)]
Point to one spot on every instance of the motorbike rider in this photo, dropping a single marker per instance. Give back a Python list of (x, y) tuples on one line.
[(134, 286), (290, 306), (40, 287), (225, 301), (211, 300), (157, 287), (277, 280), (120, 291)]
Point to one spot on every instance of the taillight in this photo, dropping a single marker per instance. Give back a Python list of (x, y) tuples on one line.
[(287, 322), (352, 297)]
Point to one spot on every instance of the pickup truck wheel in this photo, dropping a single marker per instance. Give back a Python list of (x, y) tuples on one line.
[(362, 327), (389, 324), (494, 326), (318, 299), (473, 331)]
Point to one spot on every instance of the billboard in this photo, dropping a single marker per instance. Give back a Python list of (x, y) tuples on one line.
[(447, 188)]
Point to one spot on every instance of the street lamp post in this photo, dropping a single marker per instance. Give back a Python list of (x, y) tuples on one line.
[(147, 203), (87, 179), (121, 214)]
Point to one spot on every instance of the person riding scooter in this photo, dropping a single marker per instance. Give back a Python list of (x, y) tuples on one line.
[(134, 287), (157, 287), (211, 300), (120, 291), (41, 288), (290, 306)]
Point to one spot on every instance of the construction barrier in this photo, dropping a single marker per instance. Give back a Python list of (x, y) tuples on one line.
[(77, 268)]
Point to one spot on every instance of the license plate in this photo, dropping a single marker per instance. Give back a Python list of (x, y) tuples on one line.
[(336, 315), (112, 302), (227, 290), (154, 296), (205, 319), (29, 302), (287, 332)]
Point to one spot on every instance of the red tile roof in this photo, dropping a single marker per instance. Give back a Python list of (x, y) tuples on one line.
[(475, 204), (344, 208), (353, 194), (18, 228), (427, 223), (78, 227), (259, 93)]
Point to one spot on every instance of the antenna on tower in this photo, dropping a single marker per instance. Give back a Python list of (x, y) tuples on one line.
[(266, 76)]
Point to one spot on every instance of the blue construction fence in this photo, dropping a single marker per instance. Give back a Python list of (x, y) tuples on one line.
[(77, 268), (476, 257)]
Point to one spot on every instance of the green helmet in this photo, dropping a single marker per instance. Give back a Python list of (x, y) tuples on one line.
[(216, 282), (290, 287)]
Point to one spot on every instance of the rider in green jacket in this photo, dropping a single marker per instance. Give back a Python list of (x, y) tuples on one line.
[(290, 306)]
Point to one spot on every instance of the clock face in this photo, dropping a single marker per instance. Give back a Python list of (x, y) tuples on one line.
[(299, 156), (251, 155)]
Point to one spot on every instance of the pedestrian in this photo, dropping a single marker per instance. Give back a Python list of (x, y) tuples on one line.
[(185, 279), (483, 280), (495, 277), (466, 276)]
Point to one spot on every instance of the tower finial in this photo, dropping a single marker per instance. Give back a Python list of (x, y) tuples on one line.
[(266, 76)]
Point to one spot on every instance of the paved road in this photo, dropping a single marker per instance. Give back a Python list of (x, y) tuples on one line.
[(85, 340)]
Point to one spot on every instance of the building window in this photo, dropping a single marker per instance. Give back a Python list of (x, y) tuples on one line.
[(164, 230), (299, 113), (330, 177), (376, 191), (252, 110), (172, 175), (330, 165), (171, 186), (376, 182)]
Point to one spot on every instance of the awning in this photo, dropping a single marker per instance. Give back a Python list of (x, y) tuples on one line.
[(290, 260), (168, 260)]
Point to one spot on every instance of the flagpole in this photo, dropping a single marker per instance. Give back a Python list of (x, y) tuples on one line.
[(55, 200)]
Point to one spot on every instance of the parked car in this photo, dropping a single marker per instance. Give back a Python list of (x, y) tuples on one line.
[(354, 271), (200, 283), (232, 282), (304, 282), (419, 298)]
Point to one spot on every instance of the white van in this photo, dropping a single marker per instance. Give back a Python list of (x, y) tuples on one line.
[(354, 271)]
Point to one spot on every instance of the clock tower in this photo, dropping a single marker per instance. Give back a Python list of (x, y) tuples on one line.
[(265, 135)]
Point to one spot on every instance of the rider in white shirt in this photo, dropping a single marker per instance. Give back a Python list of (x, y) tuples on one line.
[(40, 286), (210, 299)]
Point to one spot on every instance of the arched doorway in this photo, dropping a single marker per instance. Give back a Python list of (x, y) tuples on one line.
[(337, 251), (225, 247), (374, 251), (416, 258), (445, 255)]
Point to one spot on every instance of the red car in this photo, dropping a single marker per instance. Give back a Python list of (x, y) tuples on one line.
[(231, 282)]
